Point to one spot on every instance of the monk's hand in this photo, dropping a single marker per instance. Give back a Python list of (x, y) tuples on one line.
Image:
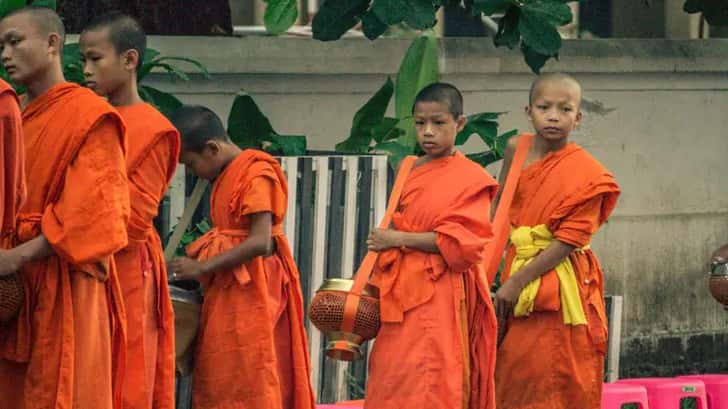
[(507, 297), (10, 262), (382, 239), (720, 256), (185, 268)]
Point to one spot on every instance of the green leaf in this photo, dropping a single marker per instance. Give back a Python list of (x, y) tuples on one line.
[(173, 72), (538, 28), (165, 102), (6, 6), (484, 158), (191, 61), (49, 4), (508, 34), (490, 7), (247, 126), (280, 15), (486, 130), (372, 26), (289, 145), (502, 141), (72, 65), (336, 17), (556, 13), (390, 12), (418, 69), (421, 14), (365, 119), (394, 150), (535, 60), (386, 130), (149, 55)]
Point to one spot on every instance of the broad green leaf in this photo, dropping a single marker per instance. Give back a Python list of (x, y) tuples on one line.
[(72, 65), (502, 141), (421, 14), (391, 12), (372, 26), (486, 130), (539, 33), (418, 69), (194, 63), (149, 55), (165, 102), (172, 70), (335, 17), (394, 150), (556, 13), (365, 119), (489, 7), (6, 6), (49, 4), (289, 145), (508, 34), (247, 125), (280, 15), (386, 130), (535, 60)]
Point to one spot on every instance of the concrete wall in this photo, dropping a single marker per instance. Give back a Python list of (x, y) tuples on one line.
[(656, 114)]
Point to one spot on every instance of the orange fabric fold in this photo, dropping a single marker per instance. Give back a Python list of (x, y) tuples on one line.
[(12, 173), (436, 346), (251, 349), (66, 349), (573, 195), (151, 162)]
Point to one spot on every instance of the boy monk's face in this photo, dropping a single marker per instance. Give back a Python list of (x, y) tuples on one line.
[(554, 109), (436, 128), (104, 68), (206, 163), (25, 51)]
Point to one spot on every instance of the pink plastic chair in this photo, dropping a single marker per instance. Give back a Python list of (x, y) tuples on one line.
[(716, 387), (614, 395), (666, 393)]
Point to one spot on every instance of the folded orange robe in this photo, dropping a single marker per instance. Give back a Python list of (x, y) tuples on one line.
[(251, 349), (436, 346), (542, 362), (152, 160), (12, 171), (66, 349)]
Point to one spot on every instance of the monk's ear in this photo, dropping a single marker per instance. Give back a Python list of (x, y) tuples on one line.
[(213, 147), (131, 59), (578, 118), (461, 121), (527, 110), (55, 44)]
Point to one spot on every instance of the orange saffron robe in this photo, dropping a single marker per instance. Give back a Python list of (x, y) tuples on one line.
[(436, 345), (542, 362), (66, 348), (251, 349), (152, 160), (12, 171)]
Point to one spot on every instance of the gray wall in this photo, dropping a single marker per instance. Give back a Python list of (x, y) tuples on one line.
[(656, 115)]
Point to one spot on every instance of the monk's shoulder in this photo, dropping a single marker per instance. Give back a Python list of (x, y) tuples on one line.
[(583, 159), (8, 103), (473, 173), (89, 107)]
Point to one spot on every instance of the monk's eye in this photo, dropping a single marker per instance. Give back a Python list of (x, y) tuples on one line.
[(419, 123)]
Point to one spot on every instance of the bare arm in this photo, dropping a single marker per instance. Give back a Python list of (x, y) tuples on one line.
[(507, 159), (33, 250), (258, 243)]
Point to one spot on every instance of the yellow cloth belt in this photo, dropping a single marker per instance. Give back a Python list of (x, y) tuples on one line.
[(529, 241)]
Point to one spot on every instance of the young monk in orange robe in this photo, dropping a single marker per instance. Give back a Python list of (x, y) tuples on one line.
[(58, 353), (552, 298), (112, 48), (436, 345), (12, 172), (251, 350)]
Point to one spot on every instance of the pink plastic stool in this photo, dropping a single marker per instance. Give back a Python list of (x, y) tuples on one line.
[(666, 393), (716, 387), (614, 395)]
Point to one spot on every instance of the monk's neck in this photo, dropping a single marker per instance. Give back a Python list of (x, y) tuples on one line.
[(544, 146), (42, 83), (125, 95), (228, 153)]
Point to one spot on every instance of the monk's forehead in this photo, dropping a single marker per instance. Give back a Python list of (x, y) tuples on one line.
[(560, 84), (29, 22)]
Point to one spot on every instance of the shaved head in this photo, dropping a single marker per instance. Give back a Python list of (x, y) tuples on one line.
[(45, 20), (125, 33), (561, 80)]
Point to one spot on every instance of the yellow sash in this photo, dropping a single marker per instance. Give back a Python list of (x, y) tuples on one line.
[(529, 241)]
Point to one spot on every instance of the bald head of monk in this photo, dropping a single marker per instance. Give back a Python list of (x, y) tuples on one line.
[(112, 49), (554, 106), (31, 40), (206, 146)]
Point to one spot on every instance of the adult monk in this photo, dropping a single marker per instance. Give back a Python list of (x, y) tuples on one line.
[(436, 345), (552, 297), (251, 350), (12, 173), (112, 48), (59, 352)]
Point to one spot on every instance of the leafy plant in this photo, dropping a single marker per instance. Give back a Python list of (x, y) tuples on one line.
[(192, 233), (373, 131), (248, 127)]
